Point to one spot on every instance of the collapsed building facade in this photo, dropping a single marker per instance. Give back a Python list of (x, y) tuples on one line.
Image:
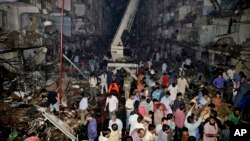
[(30, 40), (213, 31), (209, 30)]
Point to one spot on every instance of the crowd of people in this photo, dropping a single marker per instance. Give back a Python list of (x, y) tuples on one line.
[(162, 104), (158, 108)]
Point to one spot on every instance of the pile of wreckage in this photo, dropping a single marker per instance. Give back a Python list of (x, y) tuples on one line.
[(24, 108)]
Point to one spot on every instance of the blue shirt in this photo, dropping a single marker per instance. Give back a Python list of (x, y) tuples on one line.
[(219, 82), (156, 94), (92, 129)]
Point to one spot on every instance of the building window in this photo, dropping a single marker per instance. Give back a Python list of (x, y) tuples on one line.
[(67, 25)]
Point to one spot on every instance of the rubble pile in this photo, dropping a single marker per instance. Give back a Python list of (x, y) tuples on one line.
[(24, 105)]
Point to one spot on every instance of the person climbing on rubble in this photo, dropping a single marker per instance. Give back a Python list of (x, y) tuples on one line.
[(53, 101)]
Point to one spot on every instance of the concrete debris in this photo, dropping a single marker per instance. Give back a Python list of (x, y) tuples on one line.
[(24, 109)]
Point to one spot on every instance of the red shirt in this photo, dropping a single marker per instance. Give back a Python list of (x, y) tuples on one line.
[(165, 81)]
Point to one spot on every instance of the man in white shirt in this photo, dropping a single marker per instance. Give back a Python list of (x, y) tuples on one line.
[(231, 72), (190, 124), (149, 64), (150, 133), (167, 101), (144, 103), (104, 84), (129, 108), (205, 99), (173, 89), (115, 120), (164, 120), (112, 101), (187, 63), (83, 106), (76, 61), (164, 68), (104, 135), (132, 121), (182, 84), (92, 85), (140, 123)]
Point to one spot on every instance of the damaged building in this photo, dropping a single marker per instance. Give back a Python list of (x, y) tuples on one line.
[(199, 27), (57, 45)]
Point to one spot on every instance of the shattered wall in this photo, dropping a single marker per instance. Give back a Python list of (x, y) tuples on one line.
[(196, 22), (11, 61), (244, 31)]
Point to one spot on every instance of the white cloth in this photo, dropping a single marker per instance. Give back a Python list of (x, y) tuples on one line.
[(130, 104), (148, 136), (164, 67), (112, 102), (167, 102), (103, 78), (92, 81), (83, 103), (104, 84), (76, 59), (102, 138), (157, 58), (171, 124), (182, 85), (132, 121), (188, 62), (139, 125), (145, 105), (204, 101), (192, 126), (231, 73), (158, 128), (118, 122), (149, 64), (173, 92)]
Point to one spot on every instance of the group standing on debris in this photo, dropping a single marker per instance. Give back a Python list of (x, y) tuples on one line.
[(165, 105)]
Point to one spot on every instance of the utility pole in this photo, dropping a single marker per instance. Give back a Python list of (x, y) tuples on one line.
[(61, 53)]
